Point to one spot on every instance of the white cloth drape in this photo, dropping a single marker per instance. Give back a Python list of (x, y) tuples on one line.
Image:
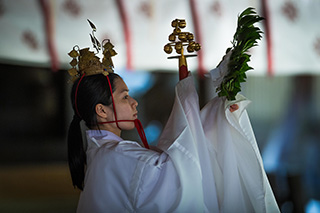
[(24, 38)]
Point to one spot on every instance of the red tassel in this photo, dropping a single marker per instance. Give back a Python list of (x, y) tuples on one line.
[(141, 133)]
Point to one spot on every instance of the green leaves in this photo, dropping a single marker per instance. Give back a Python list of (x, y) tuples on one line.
[(245, 37)]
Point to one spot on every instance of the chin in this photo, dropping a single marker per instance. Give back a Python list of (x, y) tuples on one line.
[(127, 126)]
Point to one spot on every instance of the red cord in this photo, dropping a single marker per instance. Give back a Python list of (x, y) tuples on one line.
[(76, 94), (137, 122), (141, 133), (114, 107)]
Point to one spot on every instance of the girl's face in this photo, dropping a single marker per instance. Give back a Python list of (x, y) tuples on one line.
[(126, 106)]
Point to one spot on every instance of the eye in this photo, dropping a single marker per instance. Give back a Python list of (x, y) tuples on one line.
[(126, 97)]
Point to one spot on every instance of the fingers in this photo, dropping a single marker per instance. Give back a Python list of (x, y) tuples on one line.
[(233, 107)]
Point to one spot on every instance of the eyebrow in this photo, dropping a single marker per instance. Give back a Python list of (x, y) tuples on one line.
[(124, 90)]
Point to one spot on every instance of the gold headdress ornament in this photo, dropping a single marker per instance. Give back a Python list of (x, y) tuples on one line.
[(86, 62), (179, 39)]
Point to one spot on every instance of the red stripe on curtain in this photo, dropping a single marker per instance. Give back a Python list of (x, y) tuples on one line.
[(49, 30), (198, 36), (266, 15), (127, 34)]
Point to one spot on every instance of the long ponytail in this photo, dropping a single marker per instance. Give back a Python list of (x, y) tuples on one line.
[(87, 92), (76, 153)]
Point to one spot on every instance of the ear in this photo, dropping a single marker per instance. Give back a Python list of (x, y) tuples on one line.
[(101, 110)]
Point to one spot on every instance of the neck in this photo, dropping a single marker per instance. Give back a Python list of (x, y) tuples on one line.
[(108, 127), (116, 132)]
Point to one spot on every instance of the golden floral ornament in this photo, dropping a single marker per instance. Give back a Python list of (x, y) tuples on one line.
[(179, 39), (87, 62)]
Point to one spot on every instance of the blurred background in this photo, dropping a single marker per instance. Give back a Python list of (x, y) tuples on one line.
[(35, 110)]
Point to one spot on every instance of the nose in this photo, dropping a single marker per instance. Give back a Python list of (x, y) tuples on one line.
[(134, 102)]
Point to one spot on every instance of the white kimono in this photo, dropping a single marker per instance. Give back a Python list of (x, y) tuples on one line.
[(210, 163)]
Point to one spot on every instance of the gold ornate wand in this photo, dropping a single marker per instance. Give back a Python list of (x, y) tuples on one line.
[(179, 39)]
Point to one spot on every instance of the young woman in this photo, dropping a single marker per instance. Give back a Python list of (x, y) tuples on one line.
[(206, 161)]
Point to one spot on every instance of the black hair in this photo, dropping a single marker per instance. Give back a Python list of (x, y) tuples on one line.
[(92, 90)]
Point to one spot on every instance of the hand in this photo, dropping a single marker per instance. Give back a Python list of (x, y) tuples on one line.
[(233, 107)]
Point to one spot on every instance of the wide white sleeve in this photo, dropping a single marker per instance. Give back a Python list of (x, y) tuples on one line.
[(242, 184), (125, 177), (216, 156), (184, 141)]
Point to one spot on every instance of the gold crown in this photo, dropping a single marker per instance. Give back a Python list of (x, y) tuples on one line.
[(86, 62)]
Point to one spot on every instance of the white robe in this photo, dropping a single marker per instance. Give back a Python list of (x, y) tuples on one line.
[(210, 163), (222, 146)]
